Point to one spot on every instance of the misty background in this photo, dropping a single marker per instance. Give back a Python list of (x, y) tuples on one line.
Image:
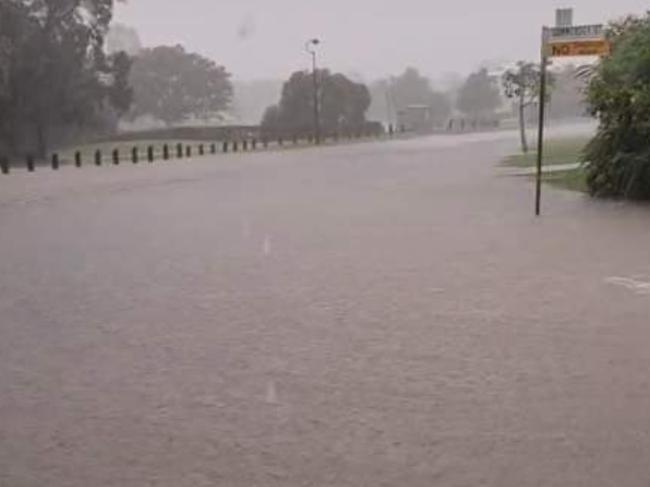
[(261, 43)]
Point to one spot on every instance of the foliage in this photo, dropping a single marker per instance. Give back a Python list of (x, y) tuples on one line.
[(343, 104), (523, 85), (479, 96), (410, 88), (55, 71), (173, 85), (618, 158)]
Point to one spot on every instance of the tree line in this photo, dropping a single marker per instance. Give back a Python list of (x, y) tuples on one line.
[(61, 80)]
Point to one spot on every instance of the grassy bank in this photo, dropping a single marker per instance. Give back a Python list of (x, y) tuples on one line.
[(573, 179), (556, 152)]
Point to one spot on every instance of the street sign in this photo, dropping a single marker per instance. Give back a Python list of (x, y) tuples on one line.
[(578, 48), (575, 33)]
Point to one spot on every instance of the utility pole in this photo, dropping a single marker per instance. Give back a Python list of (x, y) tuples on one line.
[(311, 49)]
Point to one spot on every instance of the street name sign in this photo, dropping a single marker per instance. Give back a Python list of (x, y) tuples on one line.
[(579, 40)]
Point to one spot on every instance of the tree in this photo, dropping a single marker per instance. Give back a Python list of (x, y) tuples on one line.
[(56, 72), (411, 88), (173, 85), (343, 104), (523, 84), (618, 158), (479, 96)]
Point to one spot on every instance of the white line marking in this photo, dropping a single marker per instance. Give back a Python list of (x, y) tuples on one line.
[(639, 287)]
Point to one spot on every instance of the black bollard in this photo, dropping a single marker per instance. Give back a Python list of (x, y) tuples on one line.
[(4, 165), (179, 151), (201, 150), (280, 141), (253, 144), (98, 157), (165, 152), (116, 156), (134, 155), (77, 159), (55, 161), (225, 146), (235, 146), (244, 145), (213, 148), (150, 153), (188, 151), (30, 163)]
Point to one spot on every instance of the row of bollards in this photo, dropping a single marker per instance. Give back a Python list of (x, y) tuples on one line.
[(180, 150)]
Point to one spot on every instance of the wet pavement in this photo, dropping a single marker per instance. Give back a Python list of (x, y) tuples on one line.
[(380, 314)]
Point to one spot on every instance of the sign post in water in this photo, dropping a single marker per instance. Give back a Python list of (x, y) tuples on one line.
[(563, 40)]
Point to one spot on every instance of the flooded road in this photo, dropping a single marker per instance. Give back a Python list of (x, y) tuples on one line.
[(366, 315)]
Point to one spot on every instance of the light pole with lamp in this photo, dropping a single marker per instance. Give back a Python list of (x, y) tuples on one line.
[(310, 47)]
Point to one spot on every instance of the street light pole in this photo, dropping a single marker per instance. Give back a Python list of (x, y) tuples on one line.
[(311, 49)]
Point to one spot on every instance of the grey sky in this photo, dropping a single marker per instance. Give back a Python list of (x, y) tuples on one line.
[(265, 38)]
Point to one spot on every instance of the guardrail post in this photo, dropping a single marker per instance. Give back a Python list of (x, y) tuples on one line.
[(165, 152), (30, 163), (134, 155), (98, 157), (77, 159), (55, 161), (4, 165), (150, 155), (179, 150), (116, 156)]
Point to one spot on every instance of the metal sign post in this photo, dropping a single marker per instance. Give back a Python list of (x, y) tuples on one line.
[(564, 40), (540, 135)]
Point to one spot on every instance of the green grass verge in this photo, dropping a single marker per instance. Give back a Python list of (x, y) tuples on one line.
[(556, 152), (573, 180)]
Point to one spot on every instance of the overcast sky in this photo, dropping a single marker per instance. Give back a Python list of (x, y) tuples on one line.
[(265, 38)]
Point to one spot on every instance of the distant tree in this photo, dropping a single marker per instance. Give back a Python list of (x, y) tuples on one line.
[(390, 96), (523, 85), (55, 71), (173, 85), (343, 104), (618, 158), (479, 96), (411, 88), (121, 38)]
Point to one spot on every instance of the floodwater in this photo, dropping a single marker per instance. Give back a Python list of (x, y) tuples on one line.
[(365, 315)]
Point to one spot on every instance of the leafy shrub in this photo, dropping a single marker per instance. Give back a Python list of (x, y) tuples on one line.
[(618, 158)]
